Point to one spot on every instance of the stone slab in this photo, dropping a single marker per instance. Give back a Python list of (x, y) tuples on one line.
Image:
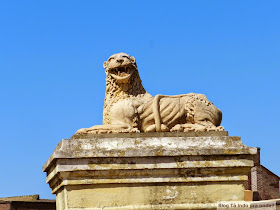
[(149, 144), (148, 171)]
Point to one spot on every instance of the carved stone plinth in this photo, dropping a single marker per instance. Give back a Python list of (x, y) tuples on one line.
[(148, 170)]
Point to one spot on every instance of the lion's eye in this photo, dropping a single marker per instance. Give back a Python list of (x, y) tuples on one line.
[(110, 59)]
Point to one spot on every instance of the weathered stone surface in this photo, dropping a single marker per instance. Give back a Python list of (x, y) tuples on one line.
[(148, 170), (128, 108)]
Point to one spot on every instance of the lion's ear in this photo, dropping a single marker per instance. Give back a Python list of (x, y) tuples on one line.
[(132, 59), (105, 64)]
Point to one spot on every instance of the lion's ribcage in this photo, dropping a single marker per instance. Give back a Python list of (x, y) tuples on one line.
[(181, 109), (171, 111)]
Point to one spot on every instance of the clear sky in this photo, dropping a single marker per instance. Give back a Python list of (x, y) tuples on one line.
[(52, 79)]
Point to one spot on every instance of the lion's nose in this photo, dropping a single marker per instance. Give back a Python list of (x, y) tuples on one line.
[(120, 60)]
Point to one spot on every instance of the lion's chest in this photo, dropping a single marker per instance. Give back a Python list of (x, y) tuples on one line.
[(123, 112)]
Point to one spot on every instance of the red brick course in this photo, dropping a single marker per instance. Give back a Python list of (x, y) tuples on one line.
[(263, 183), (27, 205)]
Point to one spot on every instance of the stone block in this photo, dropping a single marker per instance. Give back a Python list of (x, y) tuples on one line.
[(148, 170)]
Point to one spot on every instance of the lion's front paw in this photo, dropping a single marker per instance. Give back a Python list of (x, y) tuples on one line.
[(92, 131), (129, 130), (134, 130), (82, 131)]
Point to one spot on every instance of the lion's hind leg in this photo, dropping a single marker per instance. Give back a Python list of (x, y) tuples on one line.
[(201, 126), (201, 115), (152, 128)]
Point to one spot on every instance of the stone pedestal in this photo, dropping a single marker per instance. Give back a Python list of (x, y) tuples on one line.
[(148, 170)]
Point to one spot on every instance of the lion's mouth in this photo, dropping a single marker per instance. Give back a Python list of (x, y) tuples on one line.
[(122, 74)]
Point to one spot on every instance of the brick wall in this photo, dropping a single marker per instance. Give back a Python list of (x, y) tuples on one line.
[(268, 184), (263, 183), (27, 205), (5, 206)]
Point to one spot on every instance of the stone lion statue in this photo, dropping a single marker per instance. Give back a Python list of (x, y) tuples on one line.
[(129, 108)]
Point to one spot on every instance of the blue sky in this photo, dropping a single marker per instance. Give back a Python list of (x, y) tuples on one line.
[(52, 79)]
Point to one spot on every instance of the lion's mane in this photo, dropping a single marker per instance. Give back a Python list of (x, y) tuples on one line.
[(114, 92)]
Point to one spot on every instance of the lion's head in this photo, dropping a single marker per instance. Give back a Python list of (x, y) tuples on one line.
[(122, 81), (121, 67)]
